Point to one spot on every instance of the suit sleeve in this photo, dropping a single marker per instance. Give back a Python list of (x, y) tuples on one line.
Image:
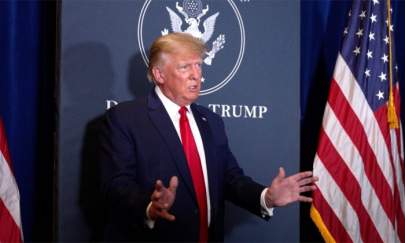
[(125, 199), (239, 188)]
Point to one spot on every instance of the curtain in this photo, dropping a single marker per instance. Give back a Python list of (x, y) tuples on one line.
[(26, 96)]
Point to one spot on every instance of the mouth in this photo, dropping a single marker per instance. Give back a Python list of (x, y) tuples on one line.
[(194, 88)]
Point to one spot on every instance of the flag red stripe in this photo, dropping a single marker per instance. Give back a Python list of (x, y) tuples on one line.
[(398, 131), (355, 130), (400, 217), (329, 218), (366, 116), (349, 186), (9, 231), (399, 213), (10, 222), (3, 144), (381, 116)]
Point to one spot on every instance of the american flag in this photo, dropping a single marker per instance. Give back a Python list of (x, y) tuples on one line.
[(360, 156), (10, 221)]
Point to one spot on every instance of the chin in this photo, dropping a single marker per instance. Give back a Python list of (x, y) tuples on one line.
[(193, 97)]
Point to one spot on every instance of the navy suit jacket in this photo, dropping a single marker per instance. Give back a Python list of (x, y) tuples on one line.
[(140, 145)]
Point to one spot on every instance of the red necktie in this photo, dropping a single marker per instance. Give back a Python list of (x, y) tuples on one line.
[(194, 165)]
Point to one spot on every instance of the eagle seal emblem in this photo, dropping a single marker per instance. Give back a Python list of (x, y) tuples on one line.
[(192, 12), (197, 19)]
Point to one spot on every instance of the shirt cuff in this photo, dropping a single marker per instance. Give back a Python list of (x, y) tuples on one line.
[(148, 221), (265, 210)]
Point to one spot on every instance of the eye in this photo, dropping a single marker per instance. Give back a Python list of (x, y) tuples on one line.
[(184, 67)]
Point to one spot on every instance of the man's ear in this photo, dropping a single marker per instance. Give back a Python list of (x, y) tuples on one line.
[(158, 75)]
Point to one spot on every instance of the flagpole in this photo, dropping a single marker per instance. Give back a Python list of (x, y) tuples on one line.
[(392, 116)]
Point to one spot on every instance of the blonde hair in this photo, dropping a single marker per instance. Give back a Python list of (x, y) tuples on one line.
[(170, 44)]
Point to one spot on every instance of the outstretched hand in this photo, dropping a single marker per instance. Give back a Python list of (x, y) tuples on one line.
[(162, 200), (284, 190)]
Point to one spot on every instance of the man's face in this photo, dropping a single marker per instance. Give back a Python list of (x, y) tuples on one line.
[(179, 77)]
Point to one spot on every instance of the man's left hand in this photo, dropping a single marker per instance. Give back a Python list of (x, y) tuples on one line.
[(284, 190)]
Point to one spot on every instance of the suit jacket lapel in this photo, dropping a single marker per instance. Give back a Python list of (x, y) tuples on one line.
[(209, 149), (162, 122)]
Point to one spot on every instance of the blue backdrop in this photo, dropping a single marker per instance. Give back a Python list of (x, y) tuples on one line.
[(28, 41), (257, 71)]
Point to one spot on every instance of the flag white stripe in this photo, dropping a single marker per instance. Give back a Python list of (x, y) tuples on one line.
[(398, 169), (336, 199), (351, 156), (9, 191), (355, 96)]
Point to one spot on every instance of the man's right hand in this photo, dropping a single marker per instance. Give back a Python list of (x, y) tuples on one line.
[(162, 200)]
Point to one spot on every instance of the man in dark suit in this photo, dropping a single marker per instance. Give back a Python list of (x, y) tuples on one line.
[(167, 140)]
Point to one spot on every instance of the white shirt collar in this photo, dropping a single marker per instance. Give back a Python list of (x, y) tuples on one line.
[(171, 107)]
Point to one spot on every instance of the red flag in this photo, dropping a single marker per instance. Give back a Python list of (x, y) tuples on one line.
[(10, 220), (360, 156)]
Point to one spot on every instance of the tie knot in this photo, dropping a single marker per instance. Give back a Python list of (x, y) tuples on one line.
[(183, 111)]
